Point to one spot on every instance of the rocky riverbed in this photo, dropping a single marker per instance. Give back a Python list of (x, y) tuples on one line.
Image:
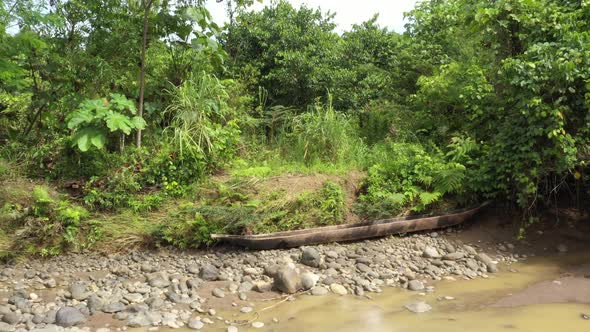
[(156, 289)]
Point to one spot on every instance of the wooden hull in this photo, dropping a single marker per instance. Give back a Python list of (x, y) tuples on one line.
[(349, 232)]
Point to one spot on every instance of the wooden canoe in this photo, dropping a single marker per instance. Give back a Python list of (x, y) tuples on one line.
[(350, 232)]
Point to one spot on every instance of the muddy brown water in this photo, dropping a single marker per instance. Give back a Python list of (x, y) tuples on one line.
[(540, 294)]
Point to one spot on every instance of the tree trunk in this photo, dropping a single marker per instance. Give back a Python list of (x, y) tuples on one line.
[(146, 11)]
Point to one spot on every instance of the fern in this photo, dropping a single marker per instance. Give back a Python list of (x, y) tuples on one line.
[(450, 179)]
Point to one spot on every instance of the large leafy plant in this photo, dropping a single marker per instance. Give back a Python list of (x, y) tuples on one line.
[(96, 119)]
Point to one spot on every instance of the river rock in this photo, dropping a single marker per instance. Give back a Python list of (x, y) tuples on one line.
[(144, 318), (257, 325), (195, 324), (69, 316), (287, 280), (78, 291), (114, 307), (415, 285), (418, 307), (319, 291), (94, 303), (218, 292), (159, 282), (5, 327), (430, 252), (11, 318), (470, 250), (245, 286), (209, 272), (491, 267), (338, 289), (310, 257), (50, 283), (454, 256), (309, 280)]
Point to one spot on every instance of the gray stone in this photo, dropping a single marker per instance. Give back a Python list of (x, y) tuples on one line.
[(133, 298), (246, 310), (114, 307), (193, 268), (5, 327), (145, 318), (418, 307), (454, 256), (50, 283), (209, 272), (338, 289), (195, 324), (415, 285), (94, 303), (430, 252), (310, 257), (491, 267), (159, 282), (50, 317), (69, 316), (218, 292), (147, 268), (78, 291), (250, 271), (246, 286), (562, 248), (309, 280), (11, 318), (470, 250), (287, 280), (363, 268), (257, 325)]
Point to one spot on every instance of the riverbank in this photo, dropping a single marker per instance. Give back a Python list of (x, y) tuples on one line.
[(226, 287)]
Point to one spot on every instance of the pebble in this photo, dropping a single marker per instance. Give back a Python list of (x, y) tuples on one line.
[(338, 289), (319, 291), (415, 285), (218, 292), (195, 324), (246, 310), (257, 325), (418, 307)]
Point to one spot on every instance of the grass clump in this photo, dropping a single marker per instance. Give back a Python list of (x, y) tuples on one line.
[(43, 224)]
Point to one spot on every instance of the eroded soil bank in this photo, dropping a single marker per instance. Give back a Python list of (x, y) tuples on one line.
[(475, 278)]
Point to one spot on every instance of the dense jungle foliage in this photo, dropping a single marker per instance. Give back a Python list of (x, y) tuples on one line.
[(144, 122)]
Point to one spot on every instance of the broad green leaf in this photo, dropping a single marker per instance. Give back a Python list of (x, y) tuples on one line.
[(138, 122), (98, 140), (121, 103), (87, 137), (79, 117), (117, 121)]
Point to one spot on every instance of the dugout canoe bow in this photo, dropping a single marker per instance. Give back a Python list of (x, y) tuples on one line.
[(350, 232)]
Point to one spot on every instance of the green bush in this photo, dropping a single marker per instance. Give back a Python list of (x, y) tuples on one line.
[(406, 177)]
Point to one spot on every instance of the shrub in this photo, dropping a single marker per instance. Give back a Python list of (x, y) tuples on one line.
[(406, 177), (95, 119), (48, 226)]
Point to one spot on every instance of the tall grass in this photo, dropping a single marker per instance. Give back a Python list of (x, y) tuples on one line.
[(201, 120), (322, 135)]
